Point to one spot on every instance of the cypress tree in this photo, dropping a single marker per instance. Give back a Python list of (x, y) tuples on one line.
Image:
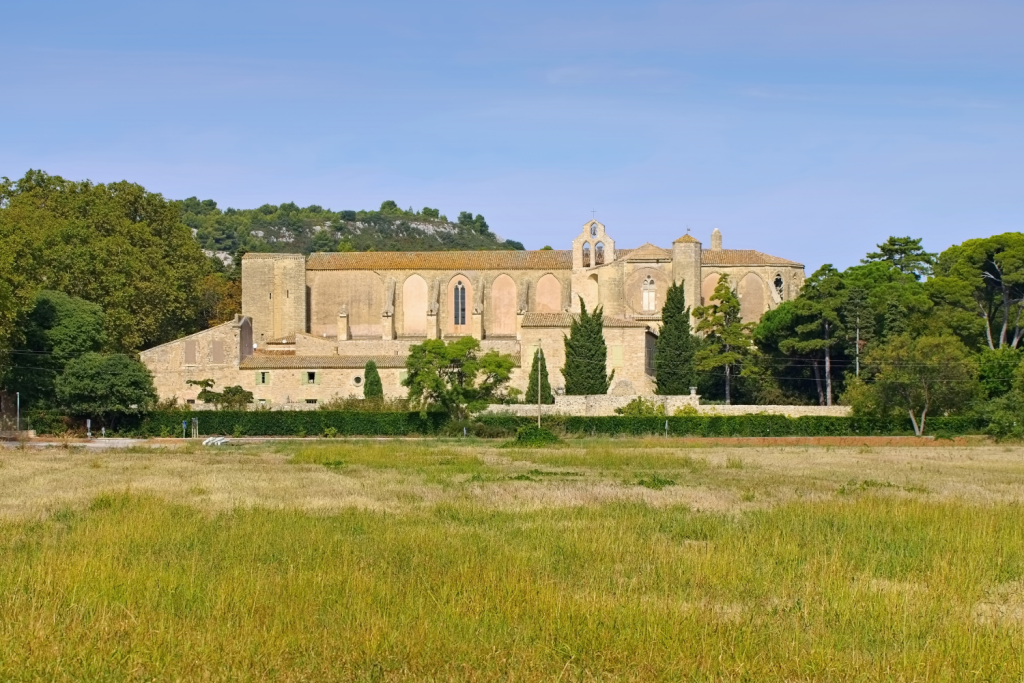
[(372, 387), (545, 386), (674, 364), (586, 355)]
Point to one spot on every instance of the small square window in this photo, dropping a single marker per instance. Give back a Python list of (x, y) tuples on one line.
[(191, 401), (310, 378), (311, 400), (264, 378)]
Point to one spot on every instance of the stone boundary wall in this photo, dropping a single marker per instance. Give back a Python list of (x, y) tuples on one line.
[(605, 405)]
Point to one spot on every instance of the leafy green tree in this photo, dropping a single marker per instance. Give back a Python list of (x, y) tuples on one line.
[(989, 272), (1005, 413), (728, 338), (675, 367), (917, 376), (996, 370), (235, 398), (107, 387), (586, 355), (57, 329), (881, 284), (906, 255), (232, 398), (779, 377), (115, 245), (539, 369), (206, 392), (454, 377), (820, 326), (373, 388), (323, 240)]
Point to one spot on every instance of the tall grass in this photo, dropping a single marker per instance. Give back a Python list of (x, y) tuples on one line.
[(868, 588)]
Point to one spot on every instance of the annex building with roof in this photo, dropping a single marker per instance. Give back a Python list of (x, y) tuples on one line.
[(309, 324)]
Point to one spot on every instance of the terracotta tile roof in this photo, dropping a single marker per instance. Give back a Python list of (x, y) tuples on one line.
[(277, 362), (742, 257), (566, 319), (686, 238), (648, 252), (280, 341), (546, 259), (260, 255)]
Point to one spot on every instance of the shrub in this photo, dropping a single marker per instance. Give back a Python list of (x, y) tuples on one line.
[(365, 405), (641, 407), (532, 436)]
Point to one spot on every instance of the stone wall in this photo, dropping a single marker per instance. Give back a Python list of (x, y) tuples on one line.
[(362, 294), (211, 354), (605, 406)]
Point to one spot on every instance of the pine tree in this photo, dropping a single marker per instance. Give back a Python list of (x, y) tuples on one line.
[(674, 364), (545, 385), (728, 341), (586, 355), (372, 387)]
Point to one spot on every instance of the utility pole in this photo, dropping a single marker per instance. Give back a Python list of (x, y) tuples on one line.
[(858, 343), (540, 359), (18, 395)]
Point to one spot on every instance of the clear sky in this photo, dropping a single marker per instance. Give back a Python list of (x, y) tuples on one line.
[(810, 129)]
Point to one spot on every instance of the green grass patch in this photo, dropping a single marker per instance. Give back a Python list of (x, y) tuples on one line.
[(655, 481), (868, 588)]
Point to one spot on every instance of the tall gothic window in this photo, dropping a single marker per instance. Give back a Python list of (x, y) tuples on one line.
[(459, 303), (586, 254), (649, 295), (779, 285), (599, 254)]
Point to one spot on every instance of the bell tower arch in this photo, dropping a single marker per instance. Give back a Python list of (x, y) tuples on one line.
[(592, 247)]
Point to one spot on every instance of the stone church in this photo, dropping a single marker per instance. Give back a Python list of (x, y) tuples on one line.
[(309, 324)]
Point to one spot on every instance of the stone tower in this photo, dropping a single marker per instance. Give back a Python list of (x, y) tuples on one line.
[(716, 239), (274, 295), (686, 268)]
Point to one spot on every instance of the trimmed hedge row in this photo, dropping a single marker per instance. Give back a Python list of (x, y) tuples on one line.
[(292, 423), (739, 425), (345, 423)]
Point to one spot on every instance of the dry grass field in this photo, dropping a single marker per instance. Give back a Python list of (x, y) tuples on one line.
[(459, 560)]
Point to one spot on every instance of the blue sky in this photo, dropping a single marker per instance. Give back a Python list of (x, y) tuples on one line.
[(811, 129)]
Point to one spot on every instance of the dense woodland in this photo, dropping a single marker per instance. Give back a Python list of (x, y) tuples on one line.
[(290, 228), (92, 271)]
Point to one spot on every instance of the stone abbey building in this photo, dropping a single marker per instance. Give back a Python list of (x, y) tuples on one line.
[(309, 324)]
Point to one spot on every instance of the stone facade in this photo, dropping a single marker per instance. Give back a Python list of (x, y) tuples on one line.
[(309, 325)]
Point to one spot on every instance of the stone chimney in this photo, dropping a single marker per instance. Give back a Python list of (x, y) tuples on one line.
[(716, 239)]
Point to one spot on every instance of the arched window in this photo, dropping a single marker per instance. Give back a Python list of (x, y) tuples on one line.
[(649, 294), (459, 303), (593, 229), (586, 254), (599, 254), (779, 286)]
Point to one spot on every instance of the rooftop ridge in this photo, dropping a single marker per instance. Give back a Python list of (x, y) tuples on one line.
[(541, 259)]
